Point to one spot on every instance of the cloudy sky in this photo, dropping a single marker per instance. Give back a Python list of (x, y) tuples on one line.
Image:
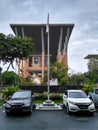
[(82, 13)]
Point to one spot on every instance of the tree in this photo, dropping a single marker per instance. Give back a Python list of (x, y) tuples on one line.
[(12, 48), (76, 79), (9, 78), (0, 70), (0, 76), (93, 65), (92, 75), (59, 71)]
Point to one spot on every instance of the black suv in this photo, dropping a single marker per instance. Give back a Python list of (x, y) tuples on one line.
[(20, 101)]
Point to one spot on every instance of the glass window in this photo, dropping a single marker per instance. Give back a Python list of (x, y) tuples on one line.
[(96, 91), (21, 95), (35, 60), (30, 61), (77, 95)]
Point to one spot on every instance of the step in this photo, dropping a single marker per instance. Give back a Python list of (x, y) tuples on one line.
[(48, 107)]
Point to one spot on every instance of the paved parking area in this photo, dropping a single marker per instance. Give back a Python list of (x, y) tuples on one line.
[(48, 120)]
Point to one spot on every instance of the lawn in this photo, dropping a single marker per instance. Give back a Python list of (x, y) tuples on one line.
[(40, 101), (1, 102)]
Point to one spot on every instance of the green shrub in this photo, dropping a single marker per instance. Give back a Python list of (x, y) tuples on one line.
[(53, 96), (1, 102), (26, 83), (88, 87), (9, 91), (41, 95), (63, 81)]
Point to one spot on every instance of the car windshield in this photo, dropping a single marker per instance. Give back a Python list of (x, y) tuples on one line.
[(96, 91), (77, 95), (21, 95)]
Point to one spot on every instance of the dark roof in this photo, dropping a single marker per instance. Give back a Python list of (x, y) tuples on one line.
[(34, 31), (91, 56)]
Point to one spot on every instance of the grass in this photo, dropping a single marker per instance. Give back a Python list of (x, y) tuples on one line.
[(58, 101), (40, 101), (1, 102)]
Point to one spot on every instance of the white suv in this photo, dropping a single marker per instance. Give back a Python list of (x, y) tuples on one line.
[(77, 100)]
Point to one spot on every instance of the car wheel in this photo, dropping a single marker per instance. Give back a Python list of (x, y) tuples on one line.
[(34, 106), (8, 114), (63, 106), (67, 110), (30, 112), (92, 113)]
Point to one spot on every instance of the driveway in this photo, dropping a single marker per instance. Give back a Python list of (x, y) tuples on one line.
[(48, 120)]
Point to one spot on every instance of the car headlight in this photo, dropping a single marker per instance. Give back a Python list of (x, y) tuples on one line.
[(26, 104), (7, 105), (72, 102), (91, 103)]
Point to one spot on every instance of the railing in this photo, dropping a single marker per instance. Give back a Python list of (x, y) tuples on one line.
[(55, 89)]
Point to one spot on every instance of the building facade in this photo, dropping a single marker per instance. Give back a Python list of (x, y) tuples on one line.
[(59, 35)]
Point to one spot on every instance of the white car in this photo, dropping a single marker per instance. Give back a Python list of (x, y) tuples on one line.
[(77, 100)]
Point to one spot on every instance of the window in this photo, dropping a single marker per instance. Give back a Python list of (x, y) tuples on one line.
[(30, 61), (35, 60)]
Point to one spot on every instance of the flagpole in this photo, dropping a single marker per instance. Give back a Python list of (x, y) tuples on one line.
[(48, 52)]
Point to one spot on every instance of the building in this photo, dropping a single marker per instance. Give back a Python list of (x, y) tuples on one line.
[(93, 61), (91, 56), (59, 35)]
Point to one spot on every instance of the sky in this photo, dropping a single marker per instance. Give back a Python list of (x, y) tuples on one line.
[(82, 13)]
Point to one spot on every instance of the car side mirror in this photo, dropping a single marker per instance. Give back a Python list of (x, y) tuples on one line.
[(10, 96), (65, 96), (33, 96), (89, 96)]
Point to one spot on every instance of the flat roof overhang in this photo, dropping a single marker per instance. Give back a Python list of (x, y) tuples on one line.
[(90, 56), (34, 31)]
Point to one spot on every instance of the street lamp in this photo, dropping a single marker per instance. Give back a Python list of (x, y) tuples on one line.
[(0, 77)]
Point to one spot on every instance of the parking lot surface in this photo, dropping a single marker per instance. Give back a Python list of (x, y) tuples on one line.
[(48, 120)]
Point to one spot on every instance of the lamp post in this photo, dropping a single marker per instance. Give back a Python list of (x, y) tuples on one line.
[(48, 54), (0, 77)]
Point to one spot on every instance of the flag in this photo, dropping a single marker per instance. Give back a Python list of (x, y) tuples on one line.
[(47, 25)]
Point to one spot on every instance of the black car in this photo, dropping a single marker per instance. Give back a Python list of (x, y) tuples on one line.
[(20, 101)]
